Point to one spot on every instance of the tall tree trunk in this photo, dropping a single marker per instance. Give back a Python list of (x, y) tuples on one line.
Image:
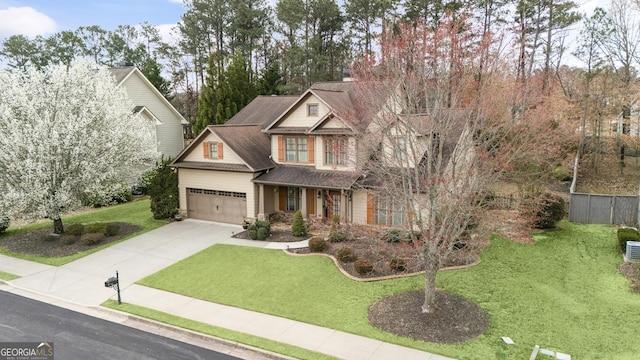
[(431, 269), (58, 228)]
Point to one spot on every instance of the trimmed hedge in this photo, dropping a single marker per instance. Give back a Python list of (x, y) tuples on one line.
[(260, 230), (96, 228), (75, 229), (112, 229), (627, 234), (317, 244)]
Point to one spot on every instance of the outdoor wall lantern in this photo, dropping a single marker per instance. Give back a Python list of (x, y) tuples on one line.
[(319, 194)]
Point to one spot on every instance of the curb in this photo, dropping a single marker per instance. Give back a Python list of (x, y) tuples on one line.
[(194, 335), (191, 337)]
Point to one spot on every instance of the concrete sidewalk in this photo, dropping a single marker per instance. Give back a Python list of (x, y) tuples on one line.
[(81, 282)]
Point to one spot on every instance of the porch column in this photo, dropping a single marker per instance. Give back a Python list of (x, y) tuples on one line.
[(303, 203), (261, 202)]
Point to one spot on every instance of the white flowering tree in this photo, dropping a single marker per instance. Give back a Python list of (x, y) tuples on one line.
[(66, 132)]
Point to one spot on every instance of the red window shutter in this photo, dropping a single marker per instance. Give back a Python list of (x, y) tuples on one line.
[(280, 149), (205, 150), (311, 149), (220, 150), (282, 194), (370, 202)]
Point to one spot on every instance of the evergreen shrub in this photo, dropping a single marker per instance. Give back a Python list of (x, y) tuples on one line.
[(75, 229), (627, 234), (262, 233), (317, 244), (298, 228), (96, 228), (112, 229)]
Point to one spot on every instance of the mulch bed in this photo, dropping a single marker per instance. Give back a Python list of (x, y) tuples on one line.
[(456, 319), (275, 236), (35, 242)]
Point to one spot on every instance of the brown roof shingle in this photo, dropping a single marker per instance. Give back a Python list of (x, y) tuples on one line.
[(305, 176), (248, 142), (262, 111), (121, 73)]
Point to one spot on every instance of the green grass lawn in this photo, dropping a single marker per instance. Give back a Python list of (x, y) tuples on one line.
[(254, 341), (563, 293), (135, 212), (7, 276)]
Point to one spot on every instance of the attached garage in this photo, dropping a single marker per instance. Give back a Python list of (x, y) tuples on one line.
[(214, 205)]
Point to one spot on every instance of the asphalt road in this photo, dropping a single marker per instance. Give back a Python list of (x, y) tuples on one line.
[(79, 336)]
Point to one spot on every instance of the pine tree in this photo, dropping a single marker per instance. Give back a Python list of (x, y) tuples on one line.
[(298, 228), (225, 92)]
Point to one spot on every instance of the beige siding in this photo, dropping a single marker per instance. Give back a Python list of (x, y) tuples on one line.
[(298, 116), (217, 180), (359, 207), (333, 124), (169, 133), (228, 156)]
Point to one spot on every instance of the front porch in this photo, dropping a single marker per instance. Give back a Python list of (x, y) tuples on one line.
[(312, 202)]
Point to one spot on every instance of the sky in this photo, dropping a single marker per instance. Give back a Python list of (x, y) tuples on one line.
[(45, 17)]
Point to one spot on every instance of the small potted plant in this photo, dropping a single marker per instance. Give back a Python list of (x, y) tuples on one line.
[(245, 224), (177, 216)]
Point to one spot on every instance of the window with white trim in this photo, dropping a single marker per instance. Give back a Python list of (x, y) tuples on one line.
[(389, 212), (312, 110), (296, 149), (213, 150), (294, 199), (335, 150)]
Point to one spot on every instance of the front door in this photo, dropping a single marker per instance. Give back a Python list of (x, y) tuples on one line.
[(332, 204)]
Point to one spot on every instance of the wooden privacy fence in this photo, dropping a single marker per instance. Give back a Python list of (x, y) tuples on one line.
[(603, 209)]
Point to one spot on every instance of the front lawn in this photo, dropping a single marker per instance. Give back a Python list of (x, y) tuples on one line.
[(563, 293), (7, 276), (135, 212)]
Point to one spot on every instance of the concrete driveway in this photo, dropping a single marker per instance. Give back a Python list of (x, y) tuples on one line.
[(82, 281)]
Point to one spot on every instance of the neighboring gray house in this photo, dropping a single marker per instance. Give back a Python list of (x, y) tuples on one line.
[(150, 103)]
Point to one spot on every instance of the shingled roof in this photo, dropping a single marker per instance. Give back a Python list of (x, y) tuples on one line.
[(262, 111), (287, 175), (246, 141), (121, 73)]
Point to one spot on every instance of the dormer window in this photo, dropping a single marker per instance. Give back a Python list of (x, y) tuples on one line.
[(212, 150), (312, 109)]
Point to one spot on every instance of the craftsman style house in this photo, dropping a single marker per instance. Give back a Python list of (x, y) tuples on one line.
[(151, 105), (283, 154)]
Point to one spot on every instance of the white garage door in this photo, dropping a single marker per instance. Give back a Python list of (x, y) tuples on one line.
[(214, 205)]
